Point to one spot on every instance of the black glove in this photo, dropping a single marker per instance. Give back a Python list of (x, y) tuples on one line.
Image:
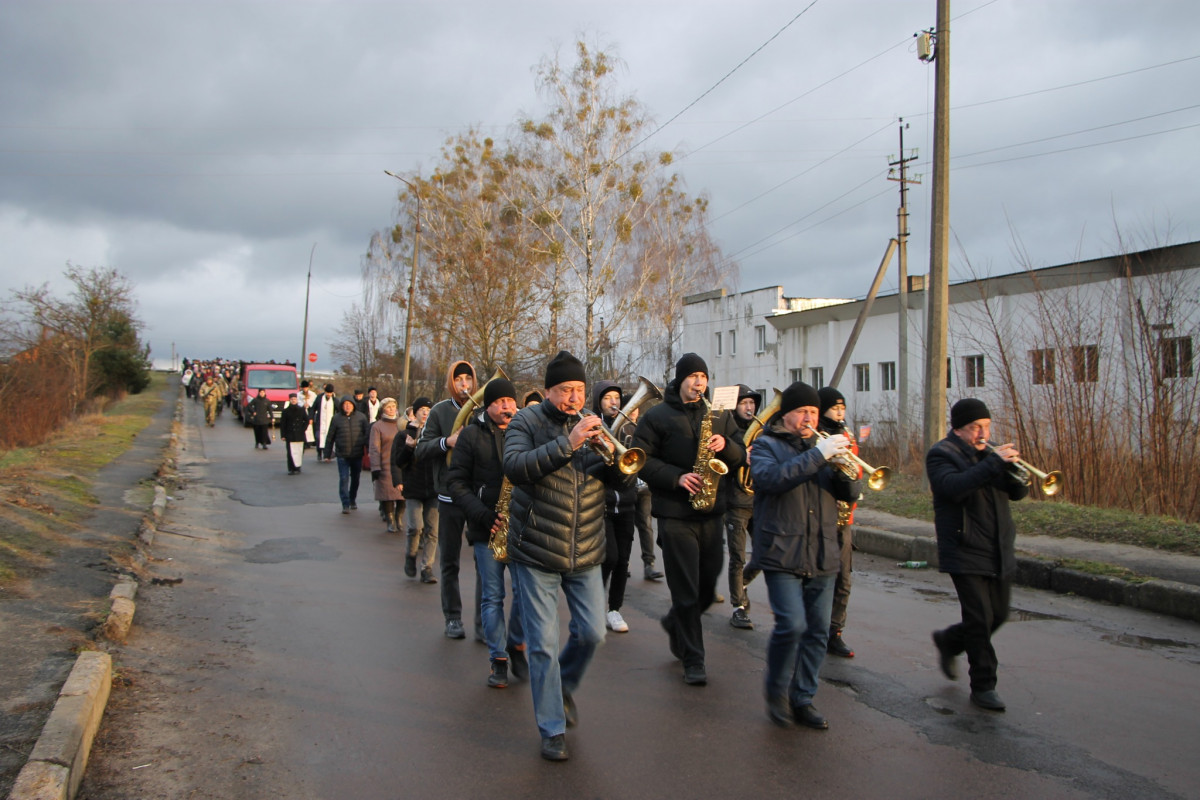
[(376, 474)]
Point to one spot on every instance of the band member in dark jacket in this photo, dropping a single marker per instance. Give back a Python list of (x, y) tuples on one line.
[(976, 539), (420, 499), (347, 438), (293, 427), (833, 421), (620, 512), (556, 540), (474, 479), (739, 514), (691, 539), (796, 490)]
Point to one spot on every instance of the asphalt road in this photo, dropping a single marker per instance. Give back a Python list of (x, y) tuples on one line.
[(295, 659)]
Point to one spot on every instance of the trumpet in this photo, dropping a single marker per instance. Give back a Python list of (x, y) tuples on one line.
[(752, 431), (646, 391), (877, 477), (629, 460), (1049, 482)]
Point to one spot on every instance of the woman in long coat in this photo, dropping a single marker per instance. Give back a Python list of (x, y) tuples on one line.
[(260, 418), (379, 449)]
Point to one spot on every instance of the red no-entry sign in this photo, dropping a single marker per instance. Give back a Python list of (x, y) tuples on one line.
[(312, 358)]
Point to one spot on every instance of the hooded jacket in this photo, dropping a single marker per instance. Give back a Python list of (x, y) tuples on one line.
[(795, 505), (669, 433), (432, 447), (739, 497), (347, 433), (971, 492)]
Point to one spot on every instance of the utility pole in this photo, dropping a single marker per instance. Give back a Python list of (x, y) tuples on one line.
[(412, 288), (937, 293), (901, 164), (304, 337)]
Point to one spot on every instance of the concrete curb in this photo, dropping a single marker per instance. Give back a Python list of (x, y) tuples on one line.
[(1160, 596), (56, 765)]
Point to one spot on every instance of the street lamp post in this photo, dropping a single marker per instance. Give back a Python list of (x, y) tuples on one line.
[(412, 288)]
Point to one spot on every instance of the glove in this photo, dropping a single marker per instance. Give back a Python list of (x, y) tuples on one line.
[(376, 474), (833, 446)]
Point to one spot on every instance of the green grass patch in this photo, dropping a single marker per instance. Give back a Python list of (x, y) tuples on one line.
[(1100, 568), (905, 497)]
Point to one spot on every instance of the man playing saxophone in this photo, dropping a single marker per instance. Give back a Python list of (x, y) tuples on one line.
[(679, 435), (474, 481)]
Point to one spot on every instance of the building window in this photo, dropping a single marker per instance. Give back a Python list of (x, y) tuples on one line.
[(862, 377), (887, 376), (795, 375), (1176, 355), (760, 338), (733, 343), (1085, 363), (973, 367), (718, 344), (817, 376), (1043, 366)]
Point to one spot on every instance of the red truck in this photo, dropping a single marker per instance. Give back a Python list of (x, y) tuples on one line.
[(279, 380)]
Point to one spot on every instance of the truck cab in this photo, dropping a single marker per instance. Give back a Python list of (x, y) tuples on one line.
[(279, 380)]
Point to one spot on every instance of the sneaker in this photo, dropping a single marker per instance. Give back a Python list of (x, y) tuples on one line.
[(454, 629), (615, 622), (345, 509), (410, 566), (427, 577), (354, 506), (694, 675), (741, 619), (837, 647), (554, 748), (987, 700), (499, 677), (651, 574)]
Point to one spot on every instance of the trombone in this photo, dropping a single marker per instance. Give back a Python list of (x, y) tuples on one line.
[(629, 460), (1049, 482), (877, 478)]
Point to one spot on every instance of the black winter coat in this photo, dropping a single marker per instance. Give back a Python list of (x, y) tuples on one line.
[(556, 517), (618, 500), (971, 492), (260, 411), (348, 435), (293, 423), (669, 433), (416, 477), (474, 476), (431, 448)]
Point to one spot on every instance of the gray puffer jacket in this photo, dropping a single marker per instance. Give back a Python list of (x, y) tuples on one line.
[(556, 516)]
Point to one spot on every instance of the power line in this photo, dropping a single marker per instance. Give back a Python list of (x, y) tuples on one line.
[(1080, 147)]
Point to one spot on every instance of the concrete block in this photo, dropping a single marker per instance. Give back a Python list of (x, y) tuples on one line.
[(923, 549), (39, 780), (1034, 572), (66, 739), (146, 533), (120, 619), (879, 542), (160, 502), (1097, 587), (125, 589), (1170, 597)]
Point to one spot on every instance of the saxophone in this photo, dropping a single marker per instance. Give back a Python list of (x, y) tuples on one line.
[(708, 468), (498, 541)]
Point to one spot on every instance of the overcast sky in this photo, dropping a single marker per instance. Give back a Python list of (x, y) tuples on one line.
[(202, 148)]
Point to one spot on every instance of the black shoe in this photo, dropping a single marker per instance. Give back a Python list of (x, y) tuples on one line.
[(945, 659), (554, 748), (652, 574), (427, 577), (988, 700), (668, 625), (741, 619), (518, 663), (779, 710), (354, 506), (454, 629), (410, 566), (694, 675), (499, 677), (807, 716), (837, 647), (570, 712)]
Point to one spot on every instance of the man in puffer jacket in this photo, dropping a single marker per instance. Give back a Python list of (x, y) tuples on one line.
[(347, 438), (795, 544), (556, 540)]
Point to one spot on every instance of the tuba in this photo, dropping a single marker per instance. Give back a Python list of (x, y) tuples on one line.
[(646, 391), (708, 468), (470, 407), (757, 425)]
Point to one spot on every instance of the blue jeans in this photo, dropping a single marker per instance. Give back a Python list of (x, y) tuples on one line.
[(551, 674), (796, 648), (349, 471), (490, 574)]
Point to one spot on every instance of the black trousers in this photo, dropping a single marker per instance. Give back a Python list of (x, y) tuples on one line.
[(618, 544), (984, 601), (645, 526), (841, 587), (451, 522), (261, 436), (693, 554)]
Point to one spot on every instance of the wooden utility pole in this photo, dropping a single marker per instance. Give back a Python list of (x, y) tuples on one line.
[(899, 172), (937, 293)]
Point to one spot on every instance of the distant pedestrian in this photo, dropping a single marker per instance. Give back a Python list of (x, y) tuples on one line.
[(293, 425), (389, 494), (210, 393), (420, 498), (348, 439), (323, 414), (259, 410)]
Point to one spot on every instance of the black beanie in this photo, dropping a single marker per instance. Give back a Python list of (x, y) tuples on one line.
[(687, 365), (564, 367), (421, 402), (966, 411), (496, 389), (532, 396), (830, 397), (462, 368), (797, 395)]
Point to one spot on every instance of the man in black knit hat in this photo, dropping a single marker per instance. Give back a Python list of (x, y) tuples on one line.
[(976, 538), (833, 421), (691, 539)]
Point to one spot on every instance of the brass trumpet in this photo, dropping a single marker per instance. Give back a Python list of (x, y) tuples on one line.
[(1050, 482), (877, 478), (629, 460)]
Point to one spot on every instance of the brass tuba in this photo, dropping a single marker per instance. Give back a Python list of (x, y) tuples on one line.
[(470, 406), (709, 469), (645, 392), (760, 421)]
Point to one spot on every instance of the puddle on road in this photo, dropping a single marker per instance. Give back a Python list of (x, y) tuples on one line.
[(277, 551), (1142, 642)]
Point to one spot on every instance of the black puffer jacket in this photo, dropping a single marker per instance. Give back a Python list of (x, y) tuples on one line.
[(795, 505), (474, 476), (971, 491), (617, 500), (669, 434), (556, 517), (348, 433)]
